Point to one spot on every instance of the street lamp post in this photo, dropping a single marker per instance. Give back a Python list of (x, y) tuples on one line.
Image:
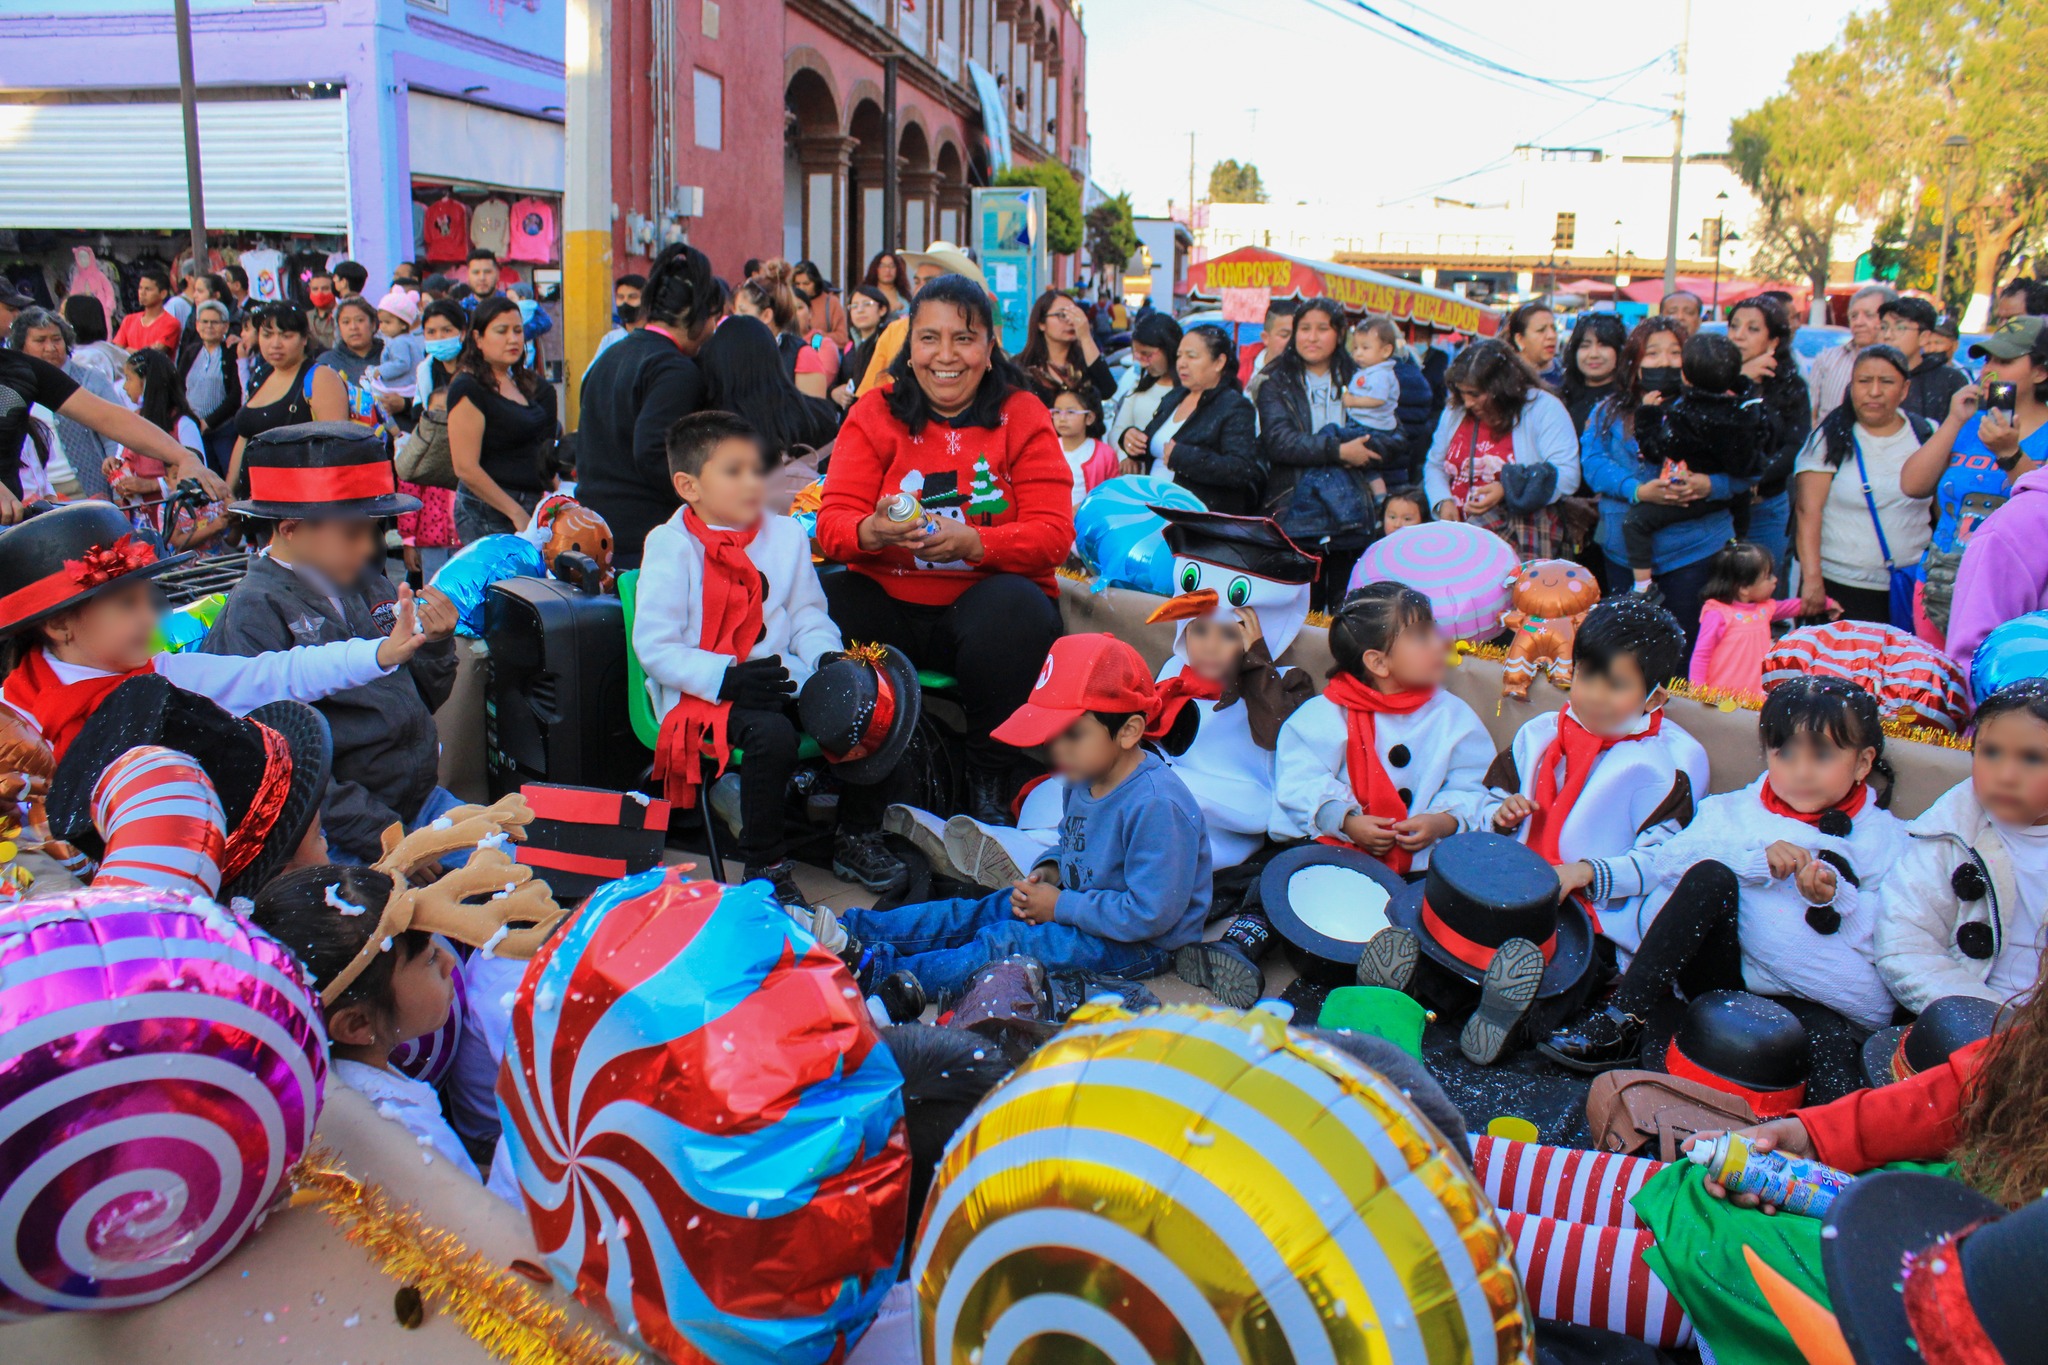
[(1720, 232), (1617, 262), (1952, 147)]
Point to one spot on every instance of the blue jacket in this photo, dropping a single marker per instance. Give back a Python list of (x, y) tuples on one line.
[(1611, 464), (1134, 863)]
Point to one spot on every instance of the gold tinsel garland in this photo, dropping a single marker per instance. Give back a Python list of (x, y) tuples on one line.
[(504, 1315)]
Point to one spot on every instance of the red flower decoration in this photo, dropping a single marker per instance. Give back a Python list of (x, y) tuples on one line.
[(105, 563)]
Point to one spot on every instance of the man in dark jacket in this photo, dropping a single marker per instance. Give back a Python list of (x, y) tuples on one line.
[(1932, 380), (318, 582)]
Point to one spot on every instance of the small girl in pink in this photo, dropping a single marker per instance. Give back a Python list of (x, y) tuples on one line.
[(1737, 608)]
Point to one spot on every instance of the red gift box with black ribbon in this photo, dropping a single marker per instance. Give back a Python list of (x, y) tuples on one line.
[(584, 837)]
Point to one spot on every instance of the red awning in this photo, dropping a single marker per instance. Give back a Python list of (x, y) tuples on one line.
[(1358, 289)]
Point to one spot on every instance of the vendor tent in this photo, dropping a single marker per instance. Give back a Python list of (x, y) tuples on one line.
[(1362, 291)]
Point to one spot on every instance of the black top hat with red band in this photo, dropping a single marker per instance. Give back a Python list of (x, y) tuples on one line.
[(1944, 1028), (862, 708), (321, 469), (269, 767), (1326, 901), (62, 557), (1915, 1260), (1482, 890), (1744, 1045), (1255, 545)]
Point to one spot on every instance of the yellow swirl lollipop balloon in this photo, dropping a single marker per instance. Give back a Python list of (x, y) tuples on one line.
[(1199, 1186)]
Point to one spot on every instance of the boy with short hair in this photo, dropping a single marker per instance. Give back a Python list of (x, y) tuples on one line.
[(1126, 883), (731, 622), (1375, 390), (154, 325), (1274, 334)]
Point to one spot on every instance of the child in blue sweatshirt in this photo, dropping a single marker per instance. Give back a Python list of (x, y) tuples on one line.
[(1124, 885)]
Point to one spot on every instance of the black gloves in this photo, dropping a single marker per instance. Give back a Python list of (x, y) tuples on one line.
[(758, 684)]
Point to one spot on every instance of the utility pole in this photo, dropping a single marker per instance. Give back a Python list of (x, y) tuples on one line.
[(587, 205), (892, 222), (188, 101), (1677, 157), (1191, 182)]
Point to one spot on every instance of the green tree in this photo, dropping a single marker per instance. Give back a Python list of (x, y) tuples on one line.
[(1112, 238), (1062, 201), (1231, 183)]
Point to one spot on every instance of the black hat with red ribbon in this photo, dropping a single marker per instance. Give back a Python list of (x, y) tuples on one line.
[(321, 469), (1746, 1046), (63, 557), (1482, 890), (862, 708)]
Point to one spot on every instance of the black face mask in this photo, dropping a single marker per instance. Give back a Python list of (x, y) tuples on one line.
[(1664, 379)]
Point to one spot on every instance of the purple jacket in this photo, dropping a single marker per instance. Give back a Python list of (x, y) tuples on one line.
[(2004, 574)]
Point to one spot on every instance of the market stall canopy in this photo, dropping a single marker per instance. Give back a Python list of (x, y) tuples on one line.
[(1364, 291), (1732, 291)]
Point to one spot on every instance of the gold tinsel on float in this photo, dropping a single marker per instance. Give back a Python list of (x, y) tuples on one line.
[(502, 1314)]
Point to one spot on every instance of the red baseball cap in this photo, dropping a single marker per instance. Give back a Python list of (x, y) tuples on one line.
[(1083, 673)]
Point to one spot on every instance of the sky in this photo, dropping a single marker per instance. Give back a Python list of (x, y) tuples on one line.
[(1345, 115)]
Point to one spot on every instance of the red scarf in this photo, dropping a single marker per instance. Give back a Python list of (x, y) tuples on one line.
[(731, 625), (1579, 749), (1175, 693), (61, 708), (1848, 805), (1377, 796)]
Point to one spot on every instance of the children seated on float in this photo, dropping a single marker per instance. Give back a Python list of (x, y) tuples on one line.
[(1127, 882), (1772, 888), (731, 623), (1962, 909), (1598, 786)]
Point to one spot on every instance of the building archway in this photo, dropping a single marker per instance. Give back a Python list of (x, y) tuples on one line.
[(918, 183), (866, 232), (952, 192), (814, 164)]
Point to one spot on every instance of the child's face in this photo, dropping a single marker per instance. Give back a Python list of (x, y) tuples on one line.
[(391, 325), (1810, 774), (339, 549), (112, 631), (1368, 349), (2009, 768), (1763, 590), (1414, 660), (423, 992), (1086, 751), (1214, 649), (131, 384), (1069, 418), (730, 489), (1400, 513), (1606, 703)]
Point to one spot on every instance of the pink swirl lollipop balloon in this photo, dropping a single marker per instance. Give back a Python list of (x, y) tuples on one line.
[(431, 1056), (1462, 570), (161, 1068)]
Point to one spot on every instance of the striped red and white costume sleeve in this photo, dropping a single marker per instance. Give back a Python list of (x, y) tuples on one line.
[(162, 821), (1577, 1242)]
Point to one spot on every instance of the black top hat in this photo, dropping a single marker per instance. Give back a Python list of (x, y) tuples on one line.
[(1744, 1045), (1482, 890), (1327, 900), (270, 769), (62, 557), (1889, 1232), (1945, 1027), (862, 708), (1256, 545), (321, 469)]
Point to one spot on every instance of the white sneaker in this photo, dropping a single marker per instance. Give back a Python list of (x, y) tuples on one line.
[(990, 855), (926, 833), (826, 928)]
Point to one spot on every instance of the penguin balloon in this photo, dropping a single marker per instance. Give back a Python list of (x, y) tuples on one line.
[(1241, 596)]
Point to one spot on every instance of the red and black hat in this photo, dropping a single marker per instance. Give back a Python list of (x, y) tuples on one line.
[(1744, 1045), (1944, 1028), (1482, 890), (862, 708), (270, 769), (584, 837), (1326, 901), (1254, 545), (62, 557), (321, 469)]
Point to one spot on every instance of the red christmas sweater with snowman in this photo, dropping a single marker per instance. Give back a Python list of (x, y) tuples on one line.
[(1010, 482)]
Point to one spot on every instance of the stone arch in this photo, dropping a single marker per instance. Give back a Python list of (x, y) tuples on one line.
[(809, 86)]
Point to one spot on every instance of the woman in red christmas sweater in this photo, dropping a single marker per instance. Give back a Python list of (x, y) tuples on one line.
[(967, 588)]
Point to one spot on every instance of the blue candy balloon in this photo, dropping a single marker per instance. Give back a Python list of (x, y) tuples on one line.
[(471, 570), (1118, 533), (2012, 653)]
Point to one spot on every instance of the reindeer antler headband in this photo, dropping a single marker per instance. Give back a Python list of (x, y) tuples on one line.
[(444, 906)]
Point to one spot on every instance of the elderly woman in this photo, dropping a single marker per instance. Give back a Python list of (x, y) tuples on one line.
[(207, 364), (969, 588), (48, 337), (1504, 453), (1861, 531)]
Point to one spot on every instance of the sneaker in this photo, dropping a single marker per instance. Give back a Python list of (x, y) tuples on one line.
[(1604, 1040), (865, 859), (1222, 969), (781, 876), (897, 998), (924, 832), (985, 856), (1389, 959), (1505, 994)]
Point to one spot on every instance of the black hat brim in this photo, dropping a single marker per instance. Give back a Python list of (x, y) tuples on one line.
[(1253, 545), (148, 571), (1878, 1050), (311, 744), (1877, 1221), (902, 674), (1313, 928), (1568, 961), (388, 505)]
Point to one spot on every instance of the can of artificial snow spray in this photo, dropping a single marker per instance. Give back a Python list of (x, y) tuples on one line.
[(1788, 1183), (905, 508)]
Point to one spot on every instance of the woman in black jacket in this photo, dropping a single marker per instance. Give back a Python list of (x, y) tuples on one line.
[(1763, 334), (1204, 435)]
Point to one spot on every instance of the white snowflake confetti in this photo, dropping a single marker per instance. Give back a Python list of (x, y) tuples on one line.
[(342, 903)]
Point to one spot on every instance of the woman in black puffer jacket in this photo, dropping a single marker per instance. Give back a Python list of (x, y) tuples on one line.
[(1204, 435)]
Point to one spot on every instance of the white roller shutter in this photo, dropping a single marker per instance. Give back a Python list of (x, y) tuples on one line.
[(474, 144), (267, 166)]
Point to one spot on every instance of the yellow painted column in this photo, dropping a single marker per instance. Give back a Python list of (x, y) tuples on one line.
[(587, 205)]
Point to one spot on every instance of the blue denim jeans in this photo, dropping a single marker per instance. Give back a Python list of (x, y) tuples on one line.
[(944, 943), (1769, 526)]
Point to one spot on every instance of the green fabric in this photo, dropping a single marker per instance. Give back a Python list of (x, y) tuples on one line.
[(639, 706), (1699, 1258)]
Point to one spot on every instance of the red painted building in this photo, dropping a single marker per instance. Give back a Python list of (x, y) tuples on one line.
[(775, 111)]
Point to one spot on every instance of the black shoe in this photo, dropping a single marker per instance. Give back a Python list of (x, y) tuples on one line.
[(1604, 1040), (1653, 594), (988, 795), (864, 858), (1222, 969), (900, 994), (1505, 994), (782, 876), (1389, 959)]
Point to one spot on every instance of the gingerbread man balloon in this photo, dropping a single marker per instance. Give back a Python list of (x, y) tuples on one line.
[(574, 527), (1551, 599)]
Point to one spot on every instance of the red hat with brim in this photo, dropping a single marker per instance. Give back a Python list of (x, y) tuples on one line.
[(1082, 673)]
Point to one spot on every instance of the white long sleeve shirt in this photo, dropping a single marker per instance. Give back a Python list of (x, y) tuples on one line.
[(1543, 434), (241, 683)]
